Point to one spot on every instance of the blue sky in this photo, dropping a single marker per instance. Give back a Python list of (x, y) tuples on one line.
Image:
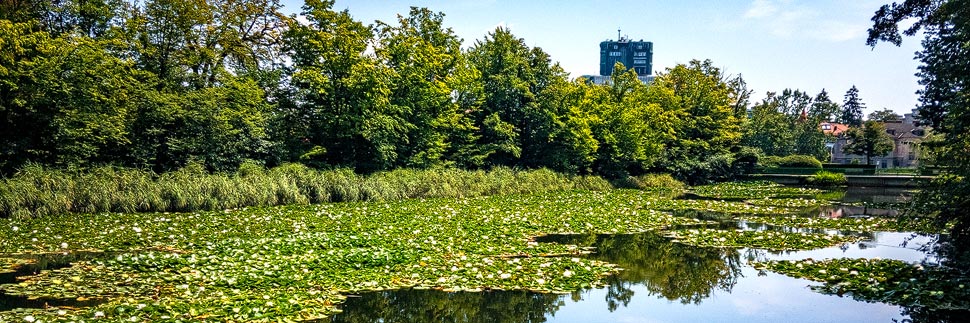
[(773, 44)]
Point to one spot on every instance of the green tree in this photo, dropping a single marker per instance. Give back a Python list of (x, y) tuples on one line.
[(944, 99), (788, 124), (871, 140), (698, 100), (823, 108), (342, 92), (430, 85), (852, 108), (884, 115), (512, 76), (628, 127)]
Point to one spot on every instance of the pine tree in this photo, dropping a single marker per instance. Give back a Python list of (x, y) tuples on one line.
[(852, 108)]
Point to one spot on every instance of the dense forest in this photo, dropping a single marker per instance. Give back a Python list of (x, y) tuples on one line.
[(161, 84)]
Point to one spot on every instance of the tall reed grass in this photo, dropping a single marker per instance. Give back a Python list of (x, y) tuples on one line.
[(36, 191)]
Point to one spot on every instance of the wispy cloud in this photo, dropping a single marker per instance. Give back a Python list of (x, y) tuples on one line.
[(789, 19), (761, 8)]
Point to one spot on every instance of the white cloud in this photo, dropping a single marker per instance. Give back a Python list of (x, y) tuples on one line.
[(761, 8), (789, 19)]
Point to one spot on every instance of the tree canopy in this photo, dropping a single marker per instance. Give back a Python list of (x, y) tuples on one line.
[(944, 73), (162, 84)]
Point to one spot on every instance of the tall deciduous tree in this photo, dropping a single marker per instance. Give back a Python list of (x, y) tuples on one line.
[(513, 75), (870, 141), (788, 123), (430, 83), (701, 99), (342, 92), (852, 108), (945, 97)]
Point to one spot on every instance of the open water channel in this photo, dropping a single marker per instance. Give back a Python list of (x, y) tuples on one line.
[(665, 281)]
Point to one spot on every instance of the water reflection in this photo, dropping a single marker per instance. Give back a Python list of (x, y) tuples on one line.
[(414, 305), (41, 262), (664, 281), (670, 270)]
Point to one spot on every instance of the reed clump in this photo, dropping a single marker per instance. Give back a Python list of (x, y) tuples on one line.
[(37, 191)]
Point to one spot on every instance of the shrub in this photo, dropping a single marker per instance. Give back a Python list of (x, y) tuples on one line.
[(745, 160), (655, 181), (800, 161), (823, 178)]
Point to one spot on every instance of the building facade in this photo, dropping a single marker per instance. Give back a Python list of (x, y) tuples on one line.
[(637, 55), (906, 135)]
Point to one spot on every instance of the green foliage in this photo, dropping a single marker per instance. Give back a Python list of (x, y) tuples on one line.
[(800, 161), (698, 102), (884, 115), (788, 124), (944, 100), (870, 141), (852, 108), (656, 182), (823, 178)]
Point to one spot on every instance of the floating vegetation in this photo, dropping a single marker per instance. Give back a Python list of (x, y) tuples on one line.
[(876, 280), (857, 224), (790, 203), (295, 262), (298, 262), (771, 240), (753, 190)]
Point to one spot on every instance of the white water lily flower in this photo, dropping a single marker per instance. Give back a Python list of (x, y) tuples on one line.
[(29, 318), (61, 312), (853, 273), (15, 228), (136, 229), (541, 281), (567, 273), (821, 271), (505, 276), (99, 314), (63, 245)]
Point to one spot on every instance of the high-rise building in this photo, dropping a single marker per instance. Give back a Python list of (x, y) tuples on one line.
[(637, 55)]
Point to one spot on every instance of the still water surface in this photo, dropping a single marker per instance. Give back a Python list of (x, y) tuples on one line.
[(665, 281)]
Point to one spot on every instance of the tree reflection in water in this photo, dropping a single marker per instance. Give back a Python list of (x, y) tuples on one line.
[(670, 270), (412, 305)]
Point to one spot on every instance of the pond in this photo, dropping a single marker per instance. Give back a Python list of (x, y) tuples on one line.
[(565, 256), (665, 281)]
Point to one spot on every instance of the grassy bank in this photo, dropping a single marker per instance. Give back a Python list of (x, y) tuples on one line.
[(37, 192)]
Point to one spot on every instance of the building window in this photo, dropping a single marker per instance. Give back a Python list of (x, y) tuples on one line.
[(912, 155), (640, 61), (891, 132), (615, 54), (640, 54), (826, 126), (615, 46)]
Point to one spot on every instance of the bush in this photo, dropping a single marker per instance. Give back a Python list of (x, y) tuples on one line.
[(745, 160), (655, 181), (824, 178), (800, 161)]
